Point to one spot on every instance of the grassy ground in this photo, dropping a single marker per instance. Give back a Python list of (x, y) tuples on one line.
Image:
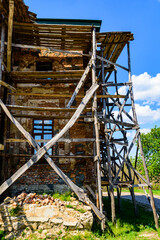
[(155, 192), (128, 227)]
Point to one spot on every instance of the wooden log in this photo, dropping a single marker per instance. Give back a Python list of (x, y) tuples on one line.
[(80, 84), (10, 30)]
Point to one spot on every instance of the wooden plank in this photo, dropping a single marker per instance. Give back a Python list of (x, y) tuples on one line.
[(10, 29), (80, 84)]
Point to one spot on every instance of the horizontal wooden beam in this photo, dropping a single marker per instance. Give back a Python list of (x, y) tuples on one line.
[(141, 185), (46, 74), (108, 120), (112, 84), (50, 109), (47, 81), (51, 49), (51, 156), (69, 140), (63, 95), (43, 117)]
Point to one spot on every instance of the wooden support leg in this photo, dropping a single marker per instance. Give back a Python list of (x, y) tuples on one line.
[(149, 187), (134, 201), (98, 157), (113, 209), (119, 200)]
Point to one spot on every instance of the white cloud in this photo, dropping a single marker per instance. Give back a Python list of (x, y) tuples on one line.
[(145, 130), (122, 90), (146, 88), (146, 115)]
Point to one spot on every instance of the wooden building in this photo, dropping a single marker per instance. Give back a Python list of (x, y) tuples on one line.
[(63, 122)]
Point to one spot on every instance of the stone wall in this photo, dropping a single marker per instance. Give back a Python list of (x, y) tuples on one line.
[(40, 177)]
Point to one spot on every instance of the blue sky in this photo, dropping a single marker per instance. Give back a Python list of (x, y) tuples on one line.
[(142, 18)]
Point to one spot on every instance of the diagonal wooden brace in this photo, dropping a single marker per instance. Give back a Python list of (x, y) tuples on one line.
[(78, 191), (80, 84)]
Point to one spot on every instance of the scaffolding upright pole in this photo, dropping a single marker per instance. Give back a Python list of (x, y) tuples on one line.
[(140, 146), (111, 190), (96, 125)]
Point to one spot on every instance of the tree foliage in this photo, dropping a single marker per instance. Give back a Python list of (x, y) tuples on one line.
[(151, 148)]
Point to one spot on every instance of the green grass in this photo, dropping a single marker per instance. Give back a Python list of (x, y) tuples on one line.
[(81, 210), (127, 227), (2, 235), (64, 197), (14, 211), (69, 206)]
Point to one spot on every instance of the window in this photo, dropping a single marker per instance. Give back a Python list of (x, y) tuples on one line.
[(44, 66), (43, 130)]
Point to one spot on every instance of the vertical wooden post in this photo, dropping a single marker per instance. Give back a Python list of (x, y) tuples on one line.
[(140, 146), (96, 125), (2, 46), (10, 30), (111, 190), (149, 187)]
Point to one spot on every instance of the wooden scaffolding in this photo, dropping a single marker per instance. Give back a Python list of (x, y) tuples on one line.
[(112, 114)]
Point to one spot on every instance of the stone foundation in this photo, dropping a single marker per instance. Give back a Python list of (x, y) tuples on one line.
[(38, 213)]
